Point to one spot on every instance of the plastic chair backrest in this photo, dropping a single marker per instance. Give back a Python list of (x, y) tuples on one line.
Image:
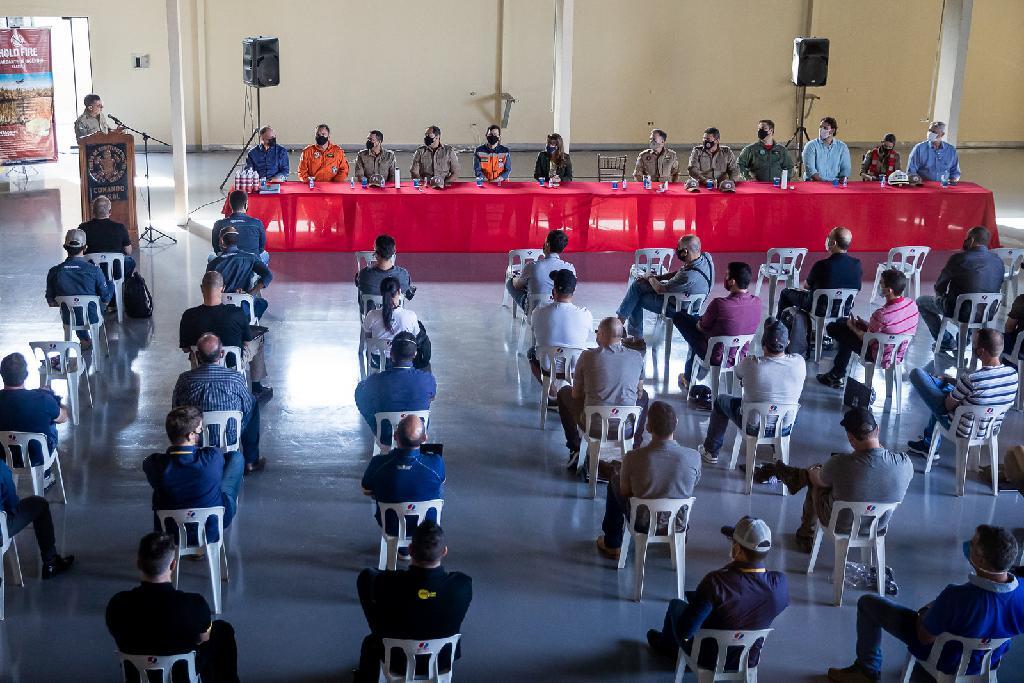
[(243, 301), (605, 414), (652, 261), (687, 303), (870, 513), (561, 360), (968, 646), (68, 355), (105, 261), (432, 649), (193, 517), (14, 449), (162, 665), (381, 348), (655, 506), (216, 425), (908, 259), (402, 511), (518, 258), (611, 168), (1012, 260), (725, 640), (839, 302), (393, 418), (77, 307), (779, 416), (734, 348), (366, 299), (981, 306), (234, 353), (985, 421), (893, 344), (785, 260)]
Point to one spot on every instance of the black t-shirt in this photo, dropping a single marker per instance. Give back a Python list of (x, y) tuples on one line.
[(157, 619), (228, 322), (103, 235), (420, 603)]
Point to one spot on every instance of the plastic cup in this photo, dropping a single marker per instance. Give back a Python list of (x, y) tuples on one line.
[(365, 183), (615, 184), (625, 184), (480, 182), (835, 183), (777, 181), (540, 181), (711, 184)]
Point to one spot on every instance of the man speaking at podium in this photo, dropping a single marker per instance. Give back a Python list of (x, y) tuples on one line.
[(92, 120)]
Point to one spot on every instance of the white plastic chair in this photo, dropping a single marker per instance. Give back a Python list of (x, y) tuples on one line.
[(967, 647), (105, 262), (15, 451), (216, 551), (561, 364), (651, 261), (893, 369), (411, 648), (608, 436), (77, 307), (985, 421), (232, 359), (215, 429), (837, 303), (389, 545), (871, 543), (676, 540), (981, 307), (692, 303), (1013, 358), (364, 259), (517, 260), (247, 302), (163, 665), (734, 349), (782, 265), (725, 640), (63, 361), (379, 349), (909, 261), (367, 302), (7, 543), (393, 418), (1012, 261), (780, 417), (526, 322)]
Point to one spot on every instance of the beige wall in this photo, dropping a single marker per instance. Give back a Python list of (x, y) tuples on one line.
[(994, 83)]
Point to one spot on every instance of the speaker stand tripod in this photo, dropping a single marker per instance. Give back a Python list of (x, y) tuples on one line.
[(800, 135)]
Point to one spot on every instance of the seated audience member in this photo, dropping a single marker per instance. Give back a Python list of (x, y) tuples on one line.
[(882, 161), (105, 236), (838, 270), (268, 159), (738, 313), (696, 270), (610, 375), (252, 235), (433, 162), (375, 163), (391, 318), (559, 323), (155, 618), (933, 157), (554, 162), (188, 475), (323, 161), (77, 277), (897, 316), (368, 278), (492, 161), (991, 385), (872, 473), (989, 605), (973, 270), (765, 160), (215, 387), (657, 161), (405, 474), (741, 596), (661, 469), (1013, 325), (775, 377), (826, 158), (231, 325), (242, 271), (534, 282), (28, 410), (400, 387), (420, 603), (712, 161)]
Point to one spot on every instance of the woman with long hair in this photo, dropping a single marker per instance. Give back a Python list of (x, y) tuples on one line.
[(391, 318), (554, 161)]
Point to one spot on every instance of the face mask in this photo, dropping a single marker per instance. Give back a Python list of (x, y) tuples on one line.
[(492, 139), (321, 140), (271, 142), (823, 133), (428, 140), (708, 144), (369, 144), (551, 149), (932, 137), (761, 133)]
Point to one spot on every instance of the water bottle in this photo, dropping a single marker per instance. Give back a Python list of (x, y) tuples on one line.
[(238, 176), (312, 182), (881, 180), (844, 183), (945, 179), (625, 184), (398, 177), (784, 183), (352, 183), (647, 182)]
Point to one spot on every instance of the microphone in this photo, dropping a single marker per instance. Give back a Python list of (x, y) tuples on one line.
[(115, 119)]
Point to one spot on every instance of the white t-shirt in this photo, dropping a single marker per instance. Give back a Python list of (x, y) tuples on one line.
[(562, 324), (772, 380), (403, 320), (538, 275)]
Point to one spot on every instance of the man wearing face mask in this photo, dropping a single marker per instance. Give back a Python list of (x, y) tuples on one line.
[(492, 161), (658, 162), (712, 161), (934, 157), (324, 161), (375, 161), (883, 160), (826, 157), (433, 162), (268, 158), (764, 160)]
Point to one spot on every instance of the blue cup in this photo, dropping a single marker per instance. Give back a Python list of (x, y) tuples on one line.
[(540, 181), (415, 183), (777, 181), (364, 183), (615, 184), (711, 184), (835, 183)]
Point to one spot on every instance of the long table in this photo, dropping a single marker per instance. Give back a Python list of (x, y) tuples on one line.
[(492, 219)]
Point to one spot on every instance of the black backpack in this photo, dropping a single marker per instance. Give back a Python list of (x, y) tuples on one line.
[(798, 322), (138, 302), (422, 359)]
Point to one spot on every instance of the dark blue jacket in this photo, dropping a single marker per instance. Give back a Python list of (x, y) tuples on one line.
[(77, 276), (252, 236), (400, 388), (967, 272), (268, 163), (187, 477)]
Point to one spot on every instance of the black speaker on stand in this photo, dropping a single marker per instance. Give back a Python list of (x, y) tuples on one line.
[(810, 69), (261, 68)]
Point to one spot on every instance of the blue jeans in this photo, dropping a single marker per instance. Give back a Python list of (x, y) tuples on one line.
[(639, 297), (234, 468), (874, 615), (250, 437), (518, 296), (728, 409), (933, 392), (686, 323), (615, 510)]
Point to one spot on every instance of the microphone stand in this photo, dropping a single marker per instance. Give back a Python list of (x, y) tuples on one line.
[(150, 235)]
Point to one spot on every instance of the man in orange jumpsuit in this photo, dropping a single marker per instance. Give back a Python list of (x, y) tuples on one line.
[(324, 160)]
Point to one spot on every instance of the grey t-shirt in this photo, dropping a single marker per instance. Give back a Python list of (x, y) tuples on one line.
[(609, 375), (778, 379), (368, 279), (659, 470), (693, 280), (877, 475), (538, 275)]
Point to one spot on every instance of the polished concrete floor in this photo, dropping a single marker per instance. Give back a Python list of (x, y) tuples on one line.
[(546, 607)]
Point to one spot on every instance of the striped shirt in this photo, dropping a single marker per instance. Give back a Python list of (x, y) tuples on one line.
[(994, 386), (213, 387), (896, 317)]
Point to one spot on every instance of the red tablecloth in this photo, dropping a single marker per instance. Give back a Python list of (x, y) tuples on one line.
[(465, 218)]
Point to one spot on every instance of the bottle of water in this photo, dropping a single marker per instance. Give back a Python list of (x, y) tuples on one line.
[(238, 176), (312, 182), (881, 180), (945, 179), (844, 183)]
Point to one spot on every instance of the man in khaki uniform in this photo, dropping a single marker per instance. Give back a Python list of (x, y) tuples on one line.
[(712, 161), (657, 162), (433, 162), (92, 120), (375, 162)]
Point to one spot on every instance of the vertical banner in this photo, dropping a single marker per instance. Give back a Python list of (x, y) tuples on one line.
[(27, 123)]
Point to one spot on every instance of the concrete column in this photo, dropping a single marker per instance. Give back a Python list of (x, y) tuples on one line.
[(949, 83), (563, 68), (177, 112)]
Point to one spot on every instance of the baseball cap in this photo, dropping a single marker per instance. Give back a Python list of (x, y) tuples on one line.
[(859, 422), (775, 337), (565, 280), (751, 533), (74, 238)]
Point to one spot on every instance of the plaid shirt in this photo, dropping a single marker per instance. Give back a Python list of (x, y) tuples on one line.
[(213, 387)]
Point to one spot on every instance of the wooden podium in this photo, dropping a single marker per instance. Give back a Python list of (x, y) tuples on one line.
[(106, 164)]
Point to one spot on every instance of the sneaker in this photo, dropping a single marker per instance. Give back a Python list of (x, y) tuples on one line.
[(57, 565), (256, 466), (919, 445), (263, 394), (703, 403), (606, 552), (830, 380), (804, 544), (706, 457), (851, 674), (574, 460), (654, 642)]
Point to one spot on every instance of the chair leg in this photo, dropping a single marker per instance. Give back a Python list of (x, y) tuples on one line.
[(874, 287), (624, 548), (839, 571), (177, 565), (880, 564), (908, 669), (382, 560), (736, 448), (545, 389), (639, 560), (993, 458), (772, 283), (119, 298), (751, 461), (225, 576), (679, 546), (73, 397), (784, 457), (392, 546), (818, 533), (963, 454), (593, 458), (213, 559), (667, 350), (933, 446), (819, 337), (60, 477)]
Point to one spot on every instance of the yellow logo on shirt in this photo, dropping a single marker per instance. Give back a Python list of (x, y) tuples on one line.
[(424, 594)]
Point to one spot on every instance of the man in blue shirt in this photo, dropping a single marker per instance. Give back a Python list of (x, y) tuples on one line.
[(405, 475), (28, 410), (934, 157), (989, 605), (400, 388), (238, 269), (825, 157), (741, 596), (76, 276), (268, 159), (34, 510), (252, 235), (838, 270), (192, 476)]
